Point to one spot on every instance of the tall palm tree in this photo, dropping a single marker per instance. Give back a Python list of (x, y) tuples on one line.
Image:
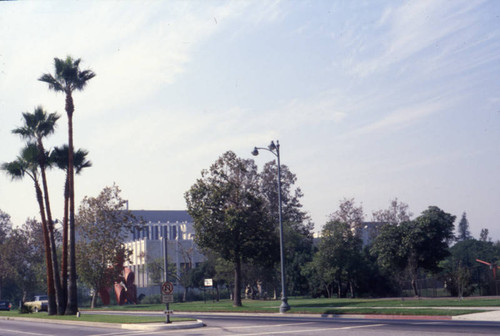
[(37, 126), (67, 78), (59, 156), (27, 164)]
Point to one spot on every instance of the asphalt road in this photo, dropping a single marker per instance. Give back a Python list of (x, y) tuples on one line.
[(269, 325)]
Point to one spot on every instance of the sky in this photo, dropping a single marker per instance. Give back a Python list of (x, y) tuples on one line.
[(371, 100)]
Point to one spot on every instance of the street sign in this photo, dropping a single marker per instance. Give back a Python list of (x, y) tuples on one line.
[(167, 298), (208, 282), (167, 288)]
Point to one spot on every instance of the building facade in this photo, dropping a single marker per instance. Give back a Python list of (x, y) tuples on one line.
[(148, 246)]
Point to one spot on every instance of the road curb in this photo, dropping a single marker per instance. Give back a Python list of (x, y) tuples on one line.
[(128, 326)]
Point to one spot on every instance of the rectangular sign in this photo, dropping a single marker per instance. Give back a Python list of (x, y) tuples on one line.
[(208, 283), (167, 298)]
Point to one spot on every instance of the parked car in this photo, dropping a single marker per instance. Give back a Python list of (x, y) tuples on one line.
[(5, 305), (39, 303)]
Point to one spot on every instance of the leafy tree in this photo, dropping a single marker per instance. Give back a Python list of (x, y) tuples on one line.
[(5, 225), (397, 213), (462, 260), (418, 244), (21, 262), (230, 216), (339, 254), (59, 156), (67, 78), (27, 164), (350, 214), (463, 232), (37, 126), (297, 225), (102, 227), (483, 236), (30, 277), (5, 229)]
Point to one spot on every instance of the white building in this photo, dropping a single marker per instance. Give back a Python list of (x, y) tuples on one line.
[(147, 245)]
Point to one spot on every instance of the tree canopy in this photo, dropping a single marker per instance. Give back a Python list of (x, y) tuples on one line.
[(413, 245), (102, 225), (230, 215)]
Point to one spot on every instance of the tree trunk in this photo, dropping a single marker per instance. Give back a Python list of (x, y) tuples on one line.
[(52, 305), (328, 292), (217, 291), (414, 286), (50, 225), (72, 307), (237, 283), (64, 258), (94, 299)]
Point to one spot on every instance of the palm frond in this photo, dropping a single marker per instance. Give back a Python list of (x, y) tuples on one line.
[(59, 156), (14, 169), (37, 124), (53, 83)]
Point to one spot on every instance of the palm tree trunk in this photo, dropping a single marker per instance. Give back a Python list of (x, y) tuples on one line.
[(50, 226), (72, 307), (64, 262), (52, 306)]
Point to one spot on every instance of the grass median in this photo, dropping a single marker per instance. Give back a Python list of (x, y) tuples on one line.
[(406, 306), (101, 318)]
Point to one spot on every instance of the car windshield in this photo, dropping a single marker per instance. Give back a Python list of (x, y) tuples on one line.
[(43, 297)]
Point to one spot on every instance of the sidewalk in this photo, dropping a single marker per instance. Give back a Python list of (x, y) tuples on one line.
[(127, 326), (493, 316)]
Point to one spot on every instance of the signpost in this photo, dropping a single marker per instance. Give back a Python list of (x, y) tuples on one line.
[(207, 283), (167, 296), (167, 288)]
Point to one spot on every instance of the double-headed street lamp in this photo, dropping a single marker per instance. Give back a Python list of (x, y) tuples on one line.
[(275, 149)]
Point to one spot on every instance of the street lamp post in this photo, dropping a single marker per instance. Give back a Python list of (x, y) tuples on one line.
[(275, 149)]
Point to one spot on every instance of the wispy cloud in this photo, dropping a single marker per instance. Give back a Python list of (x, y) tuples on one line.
[(412, 28), (401, 118)]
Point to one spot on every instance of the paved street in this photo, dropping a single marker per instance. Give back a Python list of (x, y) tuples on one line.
[(268, 325)]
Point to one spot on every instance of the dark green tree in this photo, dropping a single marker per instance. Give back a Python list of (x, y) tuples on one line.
[(484, 235), (296, 223), (339, 256), (418, 244), (463, 232), (462, 260), (230, 215), (68, 78), (5, 265)]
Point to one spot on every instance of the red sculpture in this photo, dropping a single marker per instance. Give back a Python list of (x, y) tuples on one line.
[(493, 267), (124, 287)]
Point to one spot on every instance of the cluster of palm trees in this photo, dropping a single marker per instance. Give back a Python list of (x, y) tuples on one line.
[(33, 161)]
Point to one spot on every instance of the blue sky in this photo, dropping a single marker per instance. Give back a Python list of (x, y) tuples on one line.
[(370, 100)]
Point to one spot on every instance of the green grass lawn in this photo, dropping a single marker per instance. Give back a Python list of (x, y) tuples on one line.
[(121, 319), (330, 306)]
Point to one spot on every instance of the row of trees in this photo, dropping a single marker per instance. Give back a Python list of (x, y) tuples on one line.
[(103, 225), (33, 162), (234, 208)]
